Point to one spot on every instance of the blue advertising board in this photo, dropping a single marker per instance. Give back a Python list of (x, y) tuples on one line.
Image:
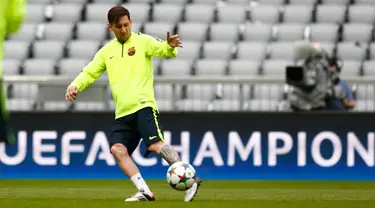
[(257, 146)]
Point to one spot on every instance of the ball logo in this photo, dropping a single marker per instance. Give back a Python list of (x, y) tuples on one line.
[(131, 51)]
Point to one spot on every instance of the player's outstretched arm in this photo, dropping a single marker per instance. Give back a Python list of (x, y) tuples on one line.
[(15, 14), (88, 76), (163, 49)]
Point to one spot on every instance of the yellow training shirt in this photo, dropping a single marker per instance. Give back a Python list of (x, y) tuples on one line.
[(130, 71)]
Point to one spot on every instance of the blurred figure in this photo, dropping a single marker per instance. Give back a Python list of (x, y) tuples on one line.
[(310, 80), (12, 14), (347, 102)]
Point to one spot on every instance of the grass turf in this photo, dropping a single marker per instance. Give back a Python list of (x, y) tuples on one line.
[(111, 194)]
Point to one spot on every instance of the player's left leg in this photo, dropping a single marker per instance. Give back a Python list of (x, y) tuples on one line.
[(149, 127)]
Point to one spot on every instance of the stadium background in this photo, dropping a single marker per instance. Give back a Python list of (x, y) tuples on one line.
[(218, 100)]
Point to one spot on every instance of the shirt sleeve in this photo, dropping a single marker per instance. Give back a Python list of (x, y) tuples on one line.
[(348, 91), (15, 15), (90, 73), (159, 48)]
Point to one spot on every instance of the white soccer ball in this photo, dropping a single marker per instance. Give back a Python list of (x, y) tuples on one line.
[(181, 176)]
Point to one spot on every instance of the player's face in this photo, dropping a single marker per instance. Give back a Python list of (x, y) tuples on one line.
[(121, 29)]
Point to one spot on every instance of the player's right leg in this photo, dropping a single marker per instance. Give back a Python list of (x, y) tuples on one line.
[(124, 140)]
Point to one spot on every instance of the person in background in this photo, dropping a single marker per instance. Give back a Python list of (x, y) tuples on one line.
[(12, 13), (348, 102)]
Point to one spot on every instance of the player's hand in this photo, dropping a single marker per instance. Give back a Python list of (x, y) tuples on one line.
[(174, 41), (71, 93)]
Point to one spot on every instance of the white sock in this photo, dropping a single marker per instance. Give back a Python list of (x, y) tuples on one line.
[(138, 181)]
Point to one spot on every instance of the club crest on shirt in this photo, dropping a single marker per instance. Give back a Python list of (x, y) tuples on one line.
[(131, 51)]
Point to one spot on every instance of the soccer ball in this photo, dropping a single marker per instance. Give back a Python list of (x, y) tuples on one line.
[(181, 176)]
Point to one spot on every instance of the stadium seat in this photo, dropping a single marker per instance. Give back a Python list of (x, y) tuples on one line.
[(164, 105), (282, 50), (297, 13), (74, 1), (192, 105), (303, 2), (165, 92), (167, 12), (158, 29), (212, 2), (11, 66), (91, 31), (20, 105), (349, 51), (24, 91), (97, 12), (261, 105), (275, 68), (35, 13), (251, 50), (39, 1), (361, 14), (89, 106), (69, 12), (204, 92), (324, 32), (273, 2), (71, 66), (203, 13), (290, 32), (364, 105), (58, 31), (210, 67), (265, 14), (171, 1), (232, 91), (243, 67), (267, 92), (190, 51), (56, 106), (351, 68), (366, 2), (176, 67), (217, 49), (342, 2), (224, 32), (365, 92), (225, 105), (16, 49), (257, 32), (143, 1), (85, 49), (357, 32), (231, 14), (139, 12), (330, 13), (27, 32), (372, 51), (107, 1), (239, 2), (368, 68), (51, 49), (192, 31), (39, 67)]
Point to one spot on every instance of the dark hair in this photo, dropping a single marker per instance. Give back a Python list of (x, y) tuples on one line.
[(116, 12)]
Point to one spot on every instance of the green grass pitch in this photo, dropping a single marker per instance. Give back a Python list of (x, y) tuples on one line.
[(252, 194)]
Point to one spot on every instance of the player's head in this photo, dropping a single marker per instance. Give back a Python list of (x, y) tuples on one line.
[(119, 22)]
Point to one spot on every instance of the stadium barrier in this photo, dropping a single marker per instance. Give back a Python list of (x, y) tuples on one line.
[(257, 146), (237, 90)]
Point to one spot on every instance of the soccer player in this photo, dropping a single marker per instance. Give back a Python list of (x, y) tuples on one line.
[(128, 62), (12, 13)]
